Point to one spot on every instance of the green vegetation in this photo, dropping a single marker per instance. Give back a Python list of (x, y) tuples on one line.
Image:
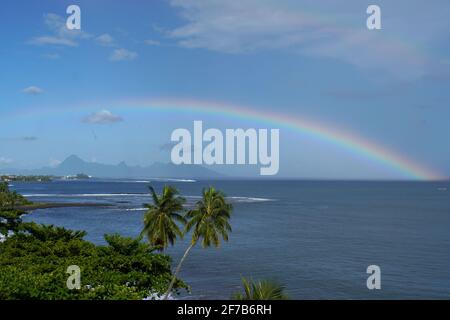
[(34, 265), (10, 216), (9, 200), (10, 221), (34, 259), (16, 178), (12, 201), (208, 221), (11, 178), (160, 221), (261, 290)]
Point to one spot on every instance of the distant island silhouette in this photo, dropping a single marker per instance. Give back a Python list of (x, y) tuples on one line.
[(73, 165)]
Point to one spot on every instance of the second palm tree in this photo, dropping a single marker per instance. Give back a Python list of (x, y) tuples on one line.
[(208, 222)]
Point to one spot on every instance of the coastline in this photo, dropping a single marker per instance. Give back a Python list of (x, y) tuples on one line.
[(48, 205)]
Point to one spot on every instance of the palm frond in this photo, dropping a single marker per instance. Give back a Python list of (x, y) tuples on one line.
[(261, 290), (163, 218)]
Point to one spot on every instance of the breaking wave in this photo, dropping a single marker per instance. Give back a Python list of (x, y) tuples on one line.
[(83, 195), (150, 180), (235, 199)]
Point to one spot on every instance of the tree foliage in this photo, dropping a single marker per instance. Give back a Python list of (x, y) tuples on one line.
[(261, 290), (34, 261), (210, 218), (162, 219), (208, 222), (10, 199)]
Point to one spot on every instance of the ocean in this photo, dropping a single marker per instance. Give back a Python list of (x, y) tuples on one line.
[(315, 237)]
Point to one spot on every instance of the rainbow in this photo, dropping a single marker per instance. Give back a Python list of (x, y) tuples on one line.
[(351, 142), (348, 141)]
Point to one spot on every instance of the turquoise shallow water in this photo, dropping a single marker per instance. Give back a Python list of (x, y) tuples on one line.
[(316, 237)]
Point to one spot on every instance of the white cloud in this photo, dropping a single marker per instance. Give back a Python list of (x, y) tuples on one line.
[(20, 139), (6, 161), (105, 40), (232, 26), (51, 56), (323, 29), (102, 117), (151, 42), (60, 35), (33, 90), (122, 54), (44, 40), (28, 138), (54, 162)]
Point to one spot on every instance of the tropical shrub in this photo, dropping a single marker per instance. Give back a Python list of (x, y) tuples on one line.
[(34, 261), (261, 290)]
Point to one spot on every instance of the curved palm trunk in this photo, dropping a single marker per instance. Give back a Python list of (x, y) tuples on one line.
[(177, 270)]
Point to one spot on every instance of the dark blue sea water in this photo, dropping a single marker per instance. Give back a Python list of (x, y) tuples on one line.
[(315, 237)]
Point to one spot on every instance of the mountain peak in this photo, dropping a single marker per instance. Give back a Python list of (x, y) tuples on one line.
[(122, 164), (73, 165), (72, 160)]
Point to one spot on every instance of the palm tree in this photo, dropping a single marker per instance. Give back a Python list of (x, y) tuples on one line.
[(4, 187), (261, 290), (209, 222), (4, 194), (161, 218), (14, 197)]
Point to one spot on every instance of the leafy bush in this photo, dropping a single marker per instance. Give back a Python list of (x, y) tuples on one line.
[(10, 220), (261, 290), (33, 264), (10, 199)]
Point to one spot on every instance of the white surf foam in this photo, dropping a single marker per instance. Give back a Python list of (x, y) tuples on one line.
[(238, 199), (104, 195), (173, 180), (154, 179), (251, 199), (86, 195)]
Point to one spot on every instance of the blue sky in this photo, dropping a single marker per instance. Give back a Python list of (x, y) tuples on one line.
[(299, 58)]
